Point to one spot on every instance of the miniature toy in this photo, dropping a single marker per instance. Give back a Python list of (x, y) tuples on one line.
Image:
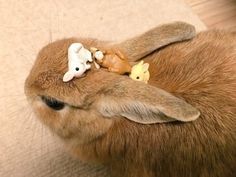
[(140, 72), (97, 55), (78, 58), (113, 60)]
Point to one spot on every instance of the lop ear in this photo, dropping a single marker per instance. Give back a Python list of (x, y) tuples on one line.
[(144, 104), (68, 76), (138, 47)]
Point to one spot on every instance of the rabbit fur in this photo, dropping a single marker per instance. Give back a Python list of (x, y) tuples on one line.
[(130, 126)]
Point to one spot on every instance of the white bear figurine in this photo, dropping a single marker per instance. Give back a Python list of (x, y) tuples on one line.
[(78, 58)]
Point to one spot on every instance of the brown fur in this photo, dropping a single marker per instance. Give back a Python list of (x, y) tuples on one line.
[(116, 55), (201, 71), (155, 38)]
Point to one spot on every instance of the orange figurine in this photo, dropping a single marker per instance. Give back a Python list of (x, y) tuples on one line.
[(113, 60)]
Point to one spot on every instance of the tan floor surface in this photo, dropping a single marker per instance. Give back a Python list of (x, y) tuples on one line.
[(27, 149), (215, 13)]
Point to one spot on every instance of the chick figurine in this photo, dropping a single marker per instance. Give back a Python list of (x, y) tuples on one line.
[(139, 72)]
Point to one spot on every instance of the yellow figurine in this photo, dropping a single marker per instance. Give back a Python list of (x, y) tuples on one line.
[(140, 72)]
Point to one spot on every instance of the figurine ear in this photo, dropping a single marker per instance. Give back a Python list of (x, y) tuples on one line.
[(145, 67), (141, 62), (77, 46), (93, 49), (68, 76), (86, 54)]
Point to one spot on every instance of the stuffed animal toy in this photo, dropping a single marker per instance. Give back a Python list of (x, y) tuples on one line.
[(78, 58), (140, 72)]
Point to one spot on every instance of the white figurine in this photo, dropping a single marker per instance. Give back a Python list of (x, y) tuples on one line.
[(78, 58)]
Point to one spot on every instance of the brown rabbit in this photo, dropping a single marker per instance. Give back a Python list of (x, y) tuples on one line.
[(109, 118)]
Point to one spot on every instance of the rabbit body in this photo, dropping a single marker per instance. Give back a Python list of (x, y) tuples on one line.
[(200, 72)]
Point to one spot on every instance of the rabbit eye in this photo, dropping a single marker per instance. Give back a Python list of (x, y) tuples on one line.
[(53, 103), (77, 69), (137, 77)]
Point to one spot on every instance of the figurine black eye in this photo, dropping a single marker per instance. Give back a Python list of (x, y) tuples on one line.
[(137, 77), (53, 103), (77, 69)]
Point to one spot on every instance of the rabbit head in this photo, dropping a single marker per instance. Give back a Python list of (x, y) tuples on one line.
[(85, 108)]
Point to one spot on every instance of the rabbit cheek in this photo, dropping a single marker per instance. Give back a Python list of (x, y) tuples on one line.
[(88, 126), (82, 144), (55, 120)]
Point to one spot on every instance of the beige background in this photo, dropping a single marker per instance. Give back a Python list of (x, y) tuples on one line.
[(27, 149)]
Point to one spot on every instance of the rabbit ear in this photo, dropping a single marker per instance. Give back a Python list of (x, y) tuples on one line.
[(145, 104), (68, 76), (140, 46)]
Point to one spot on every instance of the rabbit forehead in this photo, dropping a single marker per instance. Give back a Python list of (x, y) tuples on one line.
[(49, 68), (78, 91), (55, 55)]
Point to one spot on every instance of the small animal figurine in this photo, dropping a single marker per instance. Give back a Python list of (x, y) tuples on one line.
[(97, 55), (78, 58), (113, 60), (140, 72)]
